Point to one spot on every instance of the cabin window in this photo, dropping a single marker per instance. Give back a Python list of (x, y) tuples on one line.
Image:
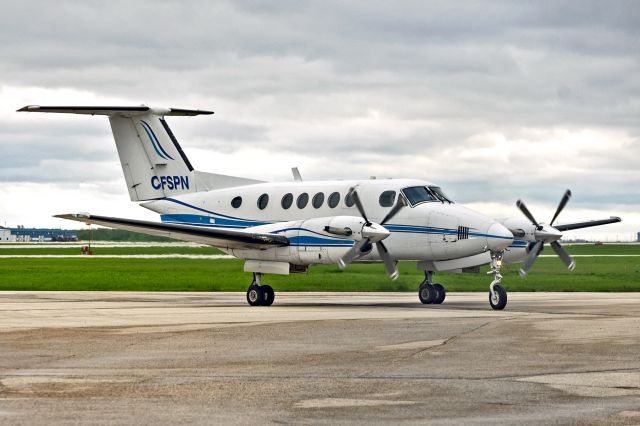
[(318, 199), (302, 200), (236, 202), (387, 198), (263, 201), (287, 200), (348, 200), (333, 200)]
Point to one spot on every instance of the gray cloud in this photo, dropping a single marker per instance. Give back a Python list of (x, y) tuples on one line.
[(421, 89)]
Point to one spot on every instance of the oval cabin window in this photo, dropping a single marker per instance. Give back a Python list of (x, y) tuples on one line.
[(302, 201), (348, 200), (318, 199), (236, 202), (263, 201), (333, 200), (287, 200)]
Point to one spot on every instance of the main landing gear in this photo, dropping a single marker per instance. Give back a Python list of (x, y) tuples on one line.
[(430, 293), (260, 294), (497, 293)]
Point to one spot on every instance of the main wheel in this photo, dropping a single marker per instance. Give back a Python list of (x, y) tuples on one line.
[(426, 293), (499, 300), (440, 294), (255, 295), (269, 295)]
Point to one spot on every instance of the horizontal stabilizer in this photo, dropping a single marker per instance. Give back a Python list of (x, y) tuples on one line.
[(222, 238), (115, 110)]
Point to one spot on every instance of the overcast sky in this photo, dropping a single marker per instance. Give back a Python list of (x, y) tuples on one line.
[(492, 100)]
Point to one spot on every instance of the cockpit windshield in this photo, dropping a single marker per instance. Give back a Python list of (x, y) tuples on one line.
[(418, 194), (437, 191), (422, 194)]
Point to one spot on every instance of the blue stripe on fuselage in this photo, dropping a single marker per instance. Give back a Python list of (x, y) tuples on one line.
[(223, 221)]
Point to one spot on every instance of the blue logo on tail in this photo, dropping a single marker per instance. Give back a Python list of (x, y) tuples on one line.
[(154, 141)]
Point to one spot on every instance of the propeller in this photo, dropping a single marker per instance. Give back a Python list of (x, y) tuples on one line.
[(546, 234), (373, 233)]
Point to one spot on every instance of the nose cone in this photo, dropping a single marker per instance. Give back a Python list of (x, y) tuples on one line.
[(498, 237), (548, 234)]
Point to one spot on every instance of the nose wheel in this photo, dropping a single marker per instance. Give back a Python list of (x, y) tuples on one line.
[(259, 294), (429, 293), (497, 293)]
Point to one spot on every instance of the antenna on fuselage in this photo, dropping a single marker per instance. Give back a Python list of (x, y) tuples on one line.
[(296, 174)]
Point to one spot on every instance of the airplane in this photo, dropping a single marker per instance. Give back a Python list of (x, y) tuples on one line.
[(285, 227)]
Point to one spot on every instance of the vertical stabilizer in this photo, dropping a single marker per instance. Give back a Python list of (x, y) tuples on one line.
[(153, 162)]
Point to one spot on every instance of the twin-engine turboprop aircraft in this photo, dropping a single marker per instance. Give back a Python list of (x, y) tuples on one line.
[(282, 228)]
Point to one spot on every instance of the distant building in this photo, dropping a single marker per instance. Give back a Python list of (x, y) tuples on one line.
[(639, 237), (24, 235), (5, 234)]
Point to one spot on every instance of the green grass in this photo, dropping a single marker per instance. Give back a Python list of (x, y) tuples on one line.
[(99, 250), (548, 274)]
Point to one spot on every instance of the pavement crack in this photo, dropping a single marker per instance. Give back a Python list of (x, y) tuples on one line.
[(450, 339)]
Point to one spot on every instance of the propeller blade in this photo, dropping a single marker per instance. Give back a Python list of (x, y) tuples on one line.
[(352, 253), (563, 255), (392, 271), (356, 199), (523, 208), (581, 225), (563, 202), (530, 259), (399, 205)]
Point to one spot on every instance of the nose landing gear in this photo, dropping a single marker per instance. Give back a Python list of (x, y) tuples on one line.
[(260, 294), (497, 293), (431, 293)]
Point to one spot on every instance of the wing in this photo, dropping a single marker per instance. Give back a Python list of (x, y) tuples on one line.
[(580, 225), (222, 238)]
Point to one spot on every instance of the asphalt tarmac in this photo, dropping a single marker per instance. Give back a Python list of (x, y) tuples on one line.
[(318, 358)]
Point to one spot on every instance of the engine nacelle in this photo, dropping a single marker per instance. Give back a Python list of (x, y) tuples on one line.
[(522, 229), (318, 240)]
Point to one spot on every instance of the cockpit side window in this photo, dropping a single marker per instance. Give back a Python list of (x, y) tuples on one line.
[(418, 194), (437, 191)]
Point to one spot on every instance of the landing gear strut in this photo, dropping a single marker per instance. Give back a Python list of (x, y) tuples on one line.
[(497, 293), (430, 293), (260, 294)]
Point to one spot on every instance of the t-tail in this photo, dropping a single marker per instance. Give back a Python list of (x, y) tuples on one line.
[(153, 162)]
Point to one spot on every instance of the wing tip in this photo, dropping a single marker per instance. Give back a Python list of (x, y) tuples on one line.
[(73, 216), (29, 108)]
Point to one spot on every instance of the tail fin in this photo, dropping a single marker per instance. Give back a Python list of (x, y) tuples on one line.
[(153, 163)]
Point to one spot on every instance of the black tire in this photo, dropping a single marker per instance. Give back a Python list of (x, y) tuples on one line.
[(255, 295), (269, 295), (441, 293), (426, 293), (500, 300)]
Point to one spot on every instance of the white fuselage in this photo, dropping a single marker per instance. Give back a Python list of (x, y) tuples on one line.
[(424, 231)]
